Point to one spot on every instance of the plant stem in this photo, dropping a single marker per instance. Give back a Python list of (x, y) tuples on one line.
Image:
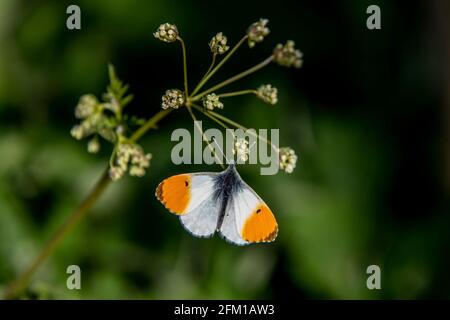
[(235, 78), (150, 124), (18, 285), (221, 63), (203, 136), (203, 111), (210, 116), (237, 125), (236, 93), (213, 61), (184, 67)]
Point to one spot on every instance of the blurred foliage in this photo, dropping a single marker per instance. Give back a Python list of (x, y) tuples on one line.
[(361, 114)]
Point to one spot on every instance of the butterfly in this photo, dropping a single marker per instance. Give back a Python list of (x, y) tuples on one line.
[(210, 202)]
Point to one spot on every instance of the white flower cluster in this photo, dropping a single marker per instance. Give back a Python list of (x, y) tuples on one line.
[(173, 98), (90, 111), (112, 104), (287, 56), (167, 32), (218, 44), (129, 157), (93, 145), (257, 31), (86, 106), (241, 149), (288, 159), (211, 102), (267, 93)]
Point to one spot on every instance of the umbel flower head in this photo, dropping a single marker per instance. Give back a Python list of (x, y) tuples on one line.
[(218, 44), (267, 93), (167, 32), (257, 31), (211, 102), (173, 98), (102, 119), (129, 157), (287, 56), (288, 159), (94, 121), (241, 149), (86, 106), (93, 145)]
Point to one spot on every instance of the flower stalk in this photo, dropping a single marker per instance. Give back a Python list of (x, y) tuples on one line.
[(205, 139), (241, 75), (186, 89), (219, 65), (236, 93)]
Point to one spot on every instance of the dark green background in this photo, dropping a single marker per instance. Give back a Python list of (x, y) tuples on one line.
[(368, 115)]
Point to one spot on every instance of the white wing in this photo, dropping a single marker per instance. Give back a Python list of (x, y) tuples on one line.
[(202, 212), (248, 219)]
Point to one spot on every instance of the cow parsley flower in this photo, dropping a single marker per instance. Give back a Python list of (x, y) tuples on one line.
[(86, 106), (287, 56), (129, 157), (211, 102), (218, 44), (241, 149), (288, 159), (173, 98), (267, 93), (257, 31), (167, 32), (93, 145)]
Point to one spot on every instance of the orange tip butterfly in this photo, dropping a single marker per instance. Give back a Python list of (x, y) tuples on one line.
[(210, 202)]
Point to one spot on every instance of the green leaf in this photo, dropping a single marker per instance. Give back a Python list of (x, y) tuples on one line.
[(117, 89)]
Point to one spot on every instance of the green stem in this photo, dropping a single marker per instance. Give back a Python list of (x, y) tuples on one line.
[(203, 136), (16, 287), (221, 63), (209, 69), (19, 284), (237, 125), (184, 68), (202, 110), (236, 93), (150, 124), (235, 78)]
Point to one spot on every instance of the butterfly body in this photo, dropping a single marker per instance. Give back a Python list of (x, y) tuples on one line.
[(218, 202)]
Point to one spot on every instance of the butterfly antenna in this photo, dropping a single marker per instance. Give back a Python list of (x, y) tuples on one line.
[(221, 151)]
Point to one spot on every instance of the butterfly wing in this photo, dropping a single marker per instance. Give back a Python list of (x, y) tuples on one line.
[(248, 219), (190, 196)]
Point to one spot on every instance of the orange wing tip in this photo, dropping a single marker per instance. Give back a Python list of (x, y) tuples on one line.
[(174, 193), (260, 226), (270, 238)]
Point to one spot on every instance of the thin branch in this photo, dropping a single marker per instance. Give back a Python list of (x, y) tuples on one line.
[(202, 110), (221, 63), (16, 287), (150, 124), (236, 93), (213, 62), (203, 136), (237, 125), (235, 78), (184, 67)]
